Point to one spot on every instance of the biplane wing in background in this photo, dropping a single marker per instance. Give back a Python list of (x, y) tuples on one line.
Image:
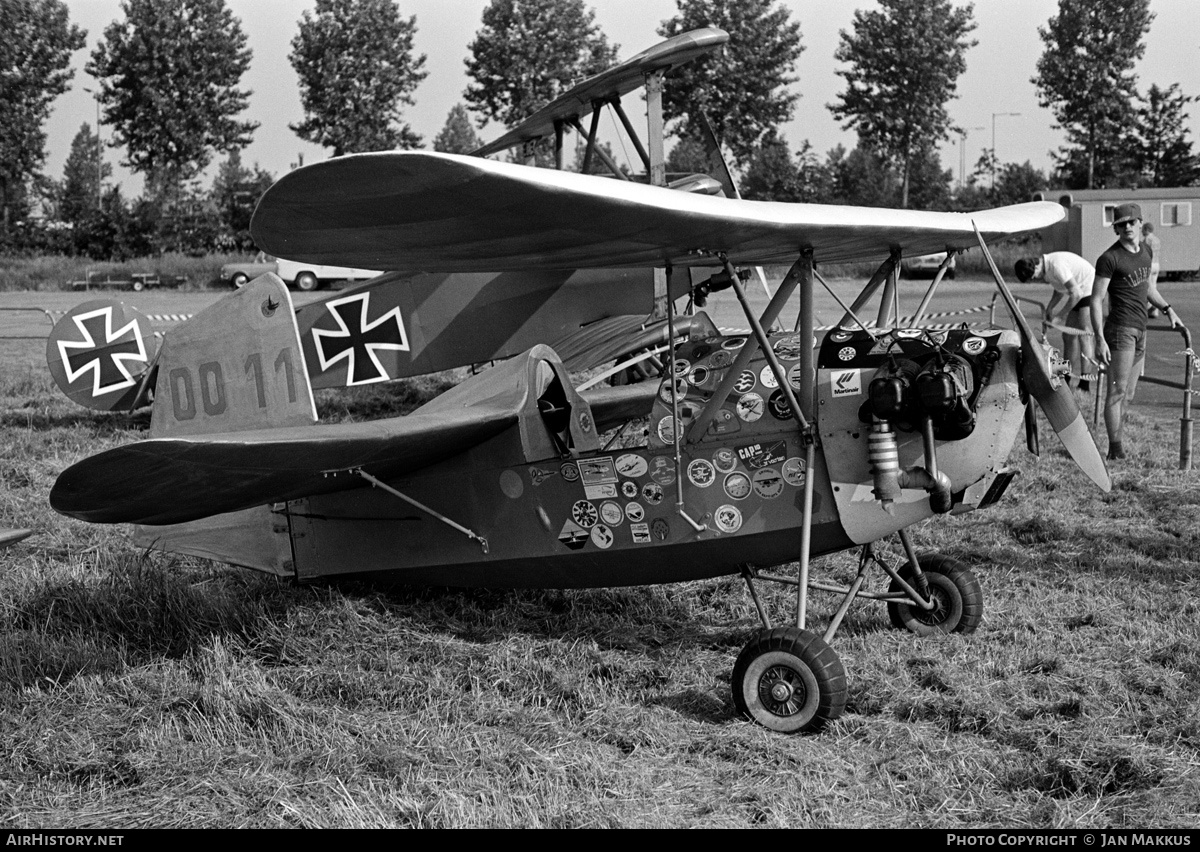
[(411, 321), (754, 451)]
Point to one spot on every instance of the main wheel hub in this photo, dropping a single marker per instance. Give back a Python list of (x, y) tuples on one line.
[(781, 691)]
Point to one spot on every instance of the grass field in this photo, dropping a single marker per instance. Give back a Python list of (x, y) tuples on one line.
[(139, 690)]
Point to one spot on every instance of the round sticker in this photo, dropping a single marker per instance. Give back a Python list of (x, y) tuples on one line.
[(767, 377), (750, 407), (699, 375), (737, 486), (793, 471), (585, 421), (660, 529), (700, 473), (569, 472), (681, 389), (974, 345), (790, 347), (768, 484), (745, 382), (666, 430), (733, 343), (631, 465), (847, 353), (652, 493), (662, 470), (720, 359), (602, 536), (511, 484), (681, 367), (728, 518), (611, 513), (583, 513), (840, 336), (634, 512), (724, 460), (700, 351), (629, 489), (796, 376), (779, 407)]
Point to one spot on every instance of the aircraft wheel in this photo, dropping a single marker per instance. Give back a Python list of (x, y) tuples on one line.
[(307, 282), (239, 280), (957, 598), (138, 286), (789, 680)]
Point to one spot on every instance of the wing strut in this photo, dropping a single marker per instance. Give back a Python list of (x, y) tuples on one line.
[(474, 536)]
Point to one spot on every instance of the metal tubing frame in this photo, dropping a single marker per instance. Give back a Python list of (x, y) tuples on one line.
[(774, 308), (676, 426), (933, 285), (872, 285), (633, 137), (599, 152)]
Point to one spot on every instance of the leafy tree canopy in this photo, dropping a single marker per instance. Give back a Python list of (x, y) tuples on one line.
[(1162, 150), (457, 136), (530, 51), (35, 57), (1085, 77), (357, 71), (168, 80), (744, 87), (904, 61)]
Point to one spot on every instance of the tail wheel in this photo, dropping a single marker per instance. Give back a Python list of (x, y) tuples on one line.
[(956, 594), (239, 280), (306, 281), (789, 680)]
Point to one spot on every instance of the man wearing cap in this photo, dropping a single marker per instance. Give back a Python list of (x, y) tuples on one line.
[(1070, 278), (1123, 275)]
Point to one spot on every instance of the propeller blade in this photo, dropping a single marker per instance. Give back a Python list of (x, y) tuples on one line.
[(1055, 397), (1031, 430)]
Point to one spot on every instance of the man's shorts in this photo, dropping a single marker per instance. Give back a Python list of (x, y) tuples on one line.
[(1122, 337)]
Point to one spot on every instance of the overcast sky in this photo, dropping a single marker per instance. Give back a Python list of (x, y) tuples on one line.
[(997, 79)]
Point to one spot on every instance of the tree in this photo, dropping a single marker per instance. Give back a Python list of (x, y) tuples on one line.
[(457, 136), (744, 87), (771, 175), (904, 62), (1085, 76), (528, 52), (168, 80), (234, 194), (357, 71), (1163, 153), (35, 59), (83, 176)]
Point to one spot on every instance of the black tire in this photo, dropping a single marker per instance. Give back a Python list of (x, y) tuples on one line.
[(307, 282), (239, 280), (956, 593), (138, 286), (789, 680)]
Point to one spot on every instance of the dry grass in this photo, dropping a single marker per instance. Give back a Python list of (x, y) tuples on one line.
[(143, 690)]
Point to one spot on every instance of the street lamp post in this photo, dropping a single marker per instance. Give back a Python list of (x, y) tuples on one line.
[(99, 155), (994, 143), (962, 153)]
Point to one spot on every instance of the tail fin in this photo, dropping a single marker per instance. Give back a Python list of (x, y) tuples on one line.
[(101, 355), (234, 366)]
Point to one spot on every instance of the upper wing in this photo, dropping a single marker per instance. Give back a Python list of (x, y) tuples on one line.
[(607, 85), (442, 212), (172, 480)]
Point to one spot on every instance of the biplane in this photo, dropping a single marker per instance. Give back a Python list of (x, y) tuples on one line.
[(747, 452), (413, 321)]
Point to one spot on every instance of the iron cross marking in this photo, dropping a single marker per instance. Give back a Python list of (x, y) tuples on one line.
[(359, 340), (105, 352)]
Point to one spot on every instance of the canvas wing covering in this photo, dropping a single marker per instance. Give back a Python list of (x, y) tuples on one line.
[(420, 210)]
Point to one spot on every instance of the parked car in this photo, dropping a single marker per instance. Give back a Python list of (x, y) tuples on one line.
[(136, 281), (302, 276), (237, 274), (926, 265)]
